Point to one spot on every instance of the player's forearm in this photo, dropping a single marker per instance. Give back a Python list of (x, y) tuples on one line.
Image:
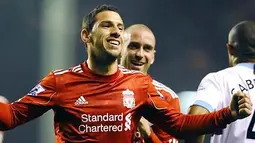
[(5, 117), (183, 126), (187, 126), (194, 125)]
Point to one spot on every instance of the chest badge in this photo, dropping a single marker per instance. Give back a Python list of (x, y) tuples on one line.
[(128, 98)]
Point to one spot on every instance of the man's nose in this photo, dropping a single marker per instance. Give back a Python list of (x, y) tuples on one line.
[(140, 53), (115, 32)]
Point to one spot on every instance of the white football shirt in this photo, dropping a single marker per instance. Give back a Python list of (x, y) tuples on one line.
[(215, 92)]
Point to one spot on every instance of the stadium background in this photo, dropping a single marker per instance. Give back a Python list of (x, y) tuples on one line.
[(37, 36)]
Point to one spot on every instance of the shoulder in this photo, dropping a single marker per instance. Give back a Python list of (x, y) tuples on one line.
[(60, 76), (219, 80), (74, 69), (66, 74), (163, 88), (211, 79), (219, 76)]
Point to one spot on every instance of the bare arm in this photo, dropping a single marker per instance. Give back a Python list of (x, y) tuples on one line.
[(195, 109)]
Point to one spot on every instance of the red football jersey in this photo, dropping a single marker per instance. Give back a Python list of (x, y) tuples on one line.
[(157, 134), (172, 98), (94, 108)]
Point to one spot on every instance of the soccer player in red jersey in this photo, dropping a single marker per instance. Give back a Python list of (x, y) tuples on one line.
[(99, 101), (138, 54)]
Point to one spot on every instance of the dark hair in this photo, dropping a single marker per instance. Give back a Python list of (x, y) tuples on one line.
[(242, 38), (89, 20)]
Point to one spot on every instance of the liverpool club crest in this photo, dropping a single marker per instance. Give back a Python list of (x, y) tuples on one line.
[(128, 98)]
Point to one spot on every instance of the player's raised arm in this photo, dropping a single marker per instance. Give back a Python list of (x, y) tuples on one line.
[(183, 126), (35, 103)]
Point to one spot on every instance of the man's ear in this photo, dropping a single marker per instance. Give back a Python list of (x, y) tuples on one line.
[(85, 36), (231, 49)]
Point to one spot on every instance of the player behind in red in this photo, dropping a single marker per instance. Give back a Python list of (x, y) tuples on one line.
[(97, 101), (138, 54)]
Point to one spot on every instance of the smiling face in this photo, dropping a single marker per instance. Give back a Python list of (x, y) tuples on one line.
[(140, 52), (105, 40)]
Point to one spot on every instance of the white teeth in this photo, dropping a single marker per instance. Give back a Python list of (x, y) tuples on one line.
[(137, 64), (114, 42)]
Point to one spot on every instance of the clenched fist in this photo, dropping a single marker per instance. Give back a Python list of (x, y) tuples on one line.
[(241, 105), (144, 127)]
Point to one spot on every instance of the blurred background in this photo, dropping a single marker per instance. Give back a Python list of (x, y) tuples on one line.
[(38, 36)]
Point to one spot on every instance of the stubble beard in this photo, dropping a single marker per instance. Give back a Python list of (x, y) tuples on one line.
[(104, 57)]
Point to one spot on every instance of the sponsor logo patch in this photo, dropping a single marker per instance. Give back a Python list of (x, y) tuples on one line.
[(36, 90)]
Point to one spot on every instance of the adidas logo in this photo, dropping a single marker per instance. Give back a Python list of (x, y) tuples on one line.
[(80, 101)]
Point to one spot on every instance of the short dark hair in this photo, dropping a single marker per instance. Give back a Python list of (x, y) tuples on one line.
[(242, 38), (89, 20)]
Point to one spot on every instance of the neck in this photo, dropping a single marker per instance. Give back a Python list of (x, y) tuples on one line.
[(102, 68), (244, 60)]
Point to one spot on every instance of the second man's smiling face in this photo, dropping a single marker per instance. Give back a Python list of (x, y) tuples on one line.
[(139, 53)]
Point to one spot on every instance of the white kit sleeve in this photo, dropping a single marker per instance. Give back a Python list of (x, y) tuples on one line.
[(209, 93)]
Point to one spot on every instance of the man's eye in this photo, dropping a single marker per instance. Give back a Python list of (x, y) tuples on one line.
[(133, 46), (148, 49), (121, 28), (106, 26)]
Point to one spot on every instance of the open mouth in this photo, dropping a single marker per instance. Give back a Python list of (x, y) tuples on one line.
[(135, 63)]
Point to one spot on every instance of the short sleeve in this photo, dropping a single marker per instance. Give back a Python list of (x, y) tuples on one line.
[(209, 92)]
